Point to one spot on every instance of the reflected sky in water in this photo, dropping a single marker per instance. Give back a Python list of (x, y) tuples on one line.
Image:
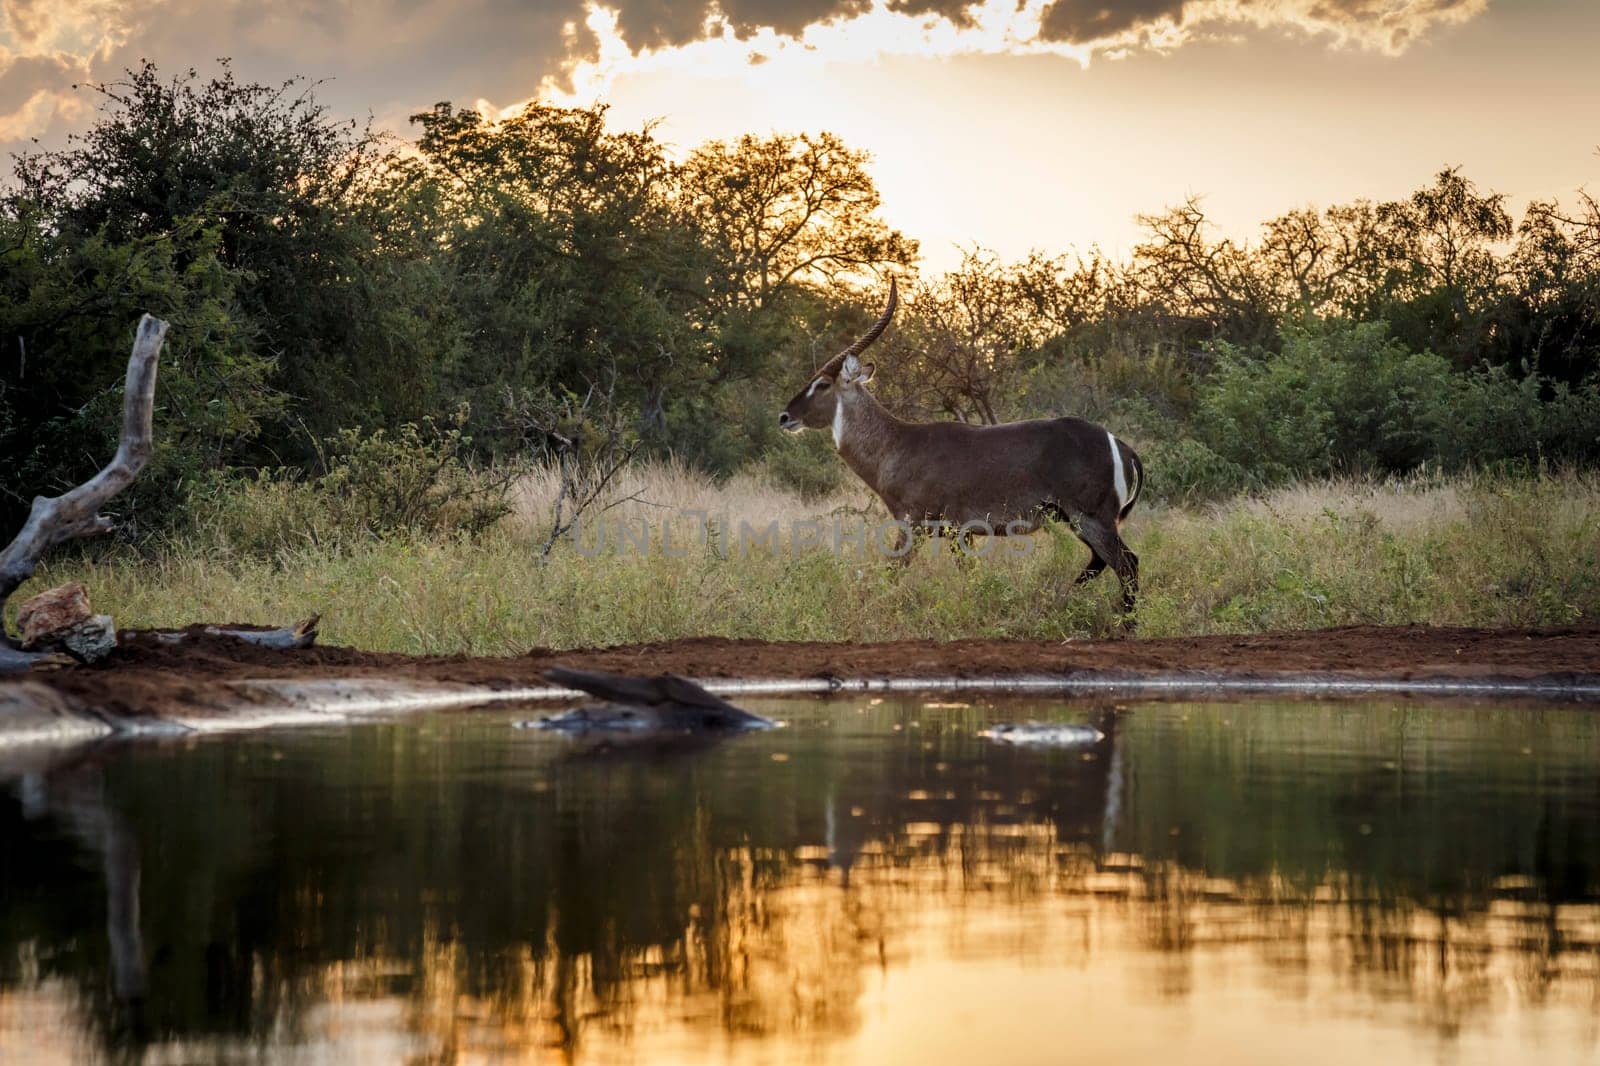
[(874, 883)]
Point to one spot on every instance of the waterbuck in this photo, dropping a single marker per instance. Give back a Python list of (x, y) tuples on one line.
[(1002, 479)]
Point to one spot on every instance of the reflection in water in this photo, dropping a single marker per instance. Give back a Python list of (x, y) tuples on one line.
[(873, 883)]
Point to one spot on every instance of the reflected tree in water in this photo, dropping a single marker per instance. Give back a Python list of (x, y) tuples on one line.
[(513, 895)]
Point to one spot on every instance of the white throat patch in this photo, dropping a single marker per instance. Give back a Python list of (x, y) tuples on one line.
[(1120, 478), (838, 421)]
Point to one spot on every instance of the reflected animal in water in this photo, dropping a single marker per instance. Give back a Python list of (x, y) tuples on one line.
[(645, 705)]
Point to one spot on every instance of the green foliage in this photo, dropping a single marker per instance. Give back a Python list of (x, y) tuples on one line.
[(417, 482), (279, 186), (1340, 397), (564, 258), (67, 311), (1491, 416), (1185, 471), (805, 465), (1346, 397), (319, 278)]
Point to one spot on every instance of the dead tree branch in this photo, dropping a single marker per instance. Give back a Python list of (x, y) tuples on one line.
[(76, 513), (588, 444)]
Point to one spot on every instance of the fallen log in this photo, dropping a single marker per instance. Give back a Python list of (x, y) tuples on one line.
[(646, 705), (13, 660), (53, 519), (303, 634)]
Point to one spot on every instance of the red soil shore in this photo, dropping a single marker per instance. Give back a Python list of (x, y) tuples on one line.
[(145, 675)]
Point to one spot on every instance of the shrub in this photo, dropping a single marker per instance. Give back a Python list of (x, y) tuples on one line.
[(1491, 417), (415, 482), (1186, 471), (1115, 383), (1569, 423), (807, 465), (1339, 397)]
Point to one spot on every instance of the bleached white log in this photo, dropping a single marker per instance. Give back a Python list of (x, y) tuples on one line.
[(54, 519)]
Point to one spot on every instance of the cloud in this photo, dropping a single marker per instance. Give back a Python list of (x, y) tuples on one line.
[(638, 36), (663, 37), (953, 11), (36, 90), (24, 77), (390, 57), (1086, 21), (1383, 25), (1388, 26), (669, 23), (394, 57)]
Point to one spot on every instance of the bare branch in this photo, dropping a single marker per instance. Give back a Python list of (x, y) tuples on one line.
[(588, 445), (75, 513)]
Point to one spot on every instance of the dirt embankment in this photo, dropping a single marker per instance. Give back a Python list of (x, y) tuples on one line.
[(146, 674)]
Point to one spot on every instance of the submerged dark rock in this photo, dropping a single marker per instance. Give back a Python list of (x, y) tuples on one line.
[(645, 705)]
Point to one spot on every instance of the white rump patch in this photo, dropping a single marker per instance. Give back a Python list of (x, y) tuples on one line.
[(1120, 476), (838, 421)]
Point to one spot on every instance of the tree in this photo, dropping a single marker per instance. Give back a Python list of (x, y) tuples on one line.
[(564, 255), (1447, 275), (1552, 314), (786, 209), (1214, 289), (286, 191), (786, 221), (65, 305), (965, 337)]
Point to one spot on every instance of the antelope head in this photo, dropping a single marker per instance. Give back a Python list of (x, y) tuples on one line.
[(817, 405)]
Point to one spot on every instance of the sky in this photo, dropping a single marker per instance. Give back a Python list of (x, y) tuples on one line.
[(1011, 124)]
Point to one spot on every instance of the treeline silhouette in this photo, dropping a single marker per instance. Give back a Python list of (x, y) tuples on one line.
[(324, 278)]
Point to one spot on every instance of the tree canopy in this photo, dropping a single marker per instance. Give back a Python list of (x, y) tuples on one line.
[(322, 278)]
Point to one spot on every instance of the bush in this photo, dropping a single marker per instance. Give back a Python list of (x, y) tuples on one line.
[(416, 482), (1340, 397), (1569, 423), (1491, 417), (1186, 471), (806, 465), (1124, 387), (68, 311)]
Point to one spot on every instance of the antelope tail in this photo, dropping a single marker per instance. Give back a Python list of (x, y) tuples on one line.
[(1138, 485)]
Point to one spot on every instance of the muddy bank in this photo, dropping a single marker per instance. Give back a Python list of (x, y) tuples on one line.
[(147, 676)]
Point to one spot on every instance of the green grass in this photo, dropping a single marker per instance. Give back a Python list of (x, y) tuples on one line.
[(1462, 551)]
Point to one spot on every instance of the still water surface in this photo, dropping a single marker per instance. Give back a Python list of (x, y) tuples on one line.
[(875, 883)]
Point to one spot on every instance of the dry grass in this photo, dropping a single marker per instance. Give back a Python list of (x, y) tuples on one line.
[(1465, 551), (654, 491)]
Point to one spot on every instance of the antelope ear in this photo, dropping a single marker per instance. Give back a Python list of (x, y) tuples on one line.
[(865, 375), (850, 370)]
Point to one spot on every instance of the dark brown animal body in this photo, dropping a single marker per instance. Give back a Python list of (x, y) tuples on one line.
[(994, 480)]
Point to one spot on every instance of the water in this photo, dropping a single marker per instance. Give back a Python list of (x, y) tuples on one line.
[(875, 883)]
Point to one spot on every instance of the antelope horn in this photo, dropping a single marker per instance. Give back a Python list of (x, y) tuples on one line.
[(877, 327)]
